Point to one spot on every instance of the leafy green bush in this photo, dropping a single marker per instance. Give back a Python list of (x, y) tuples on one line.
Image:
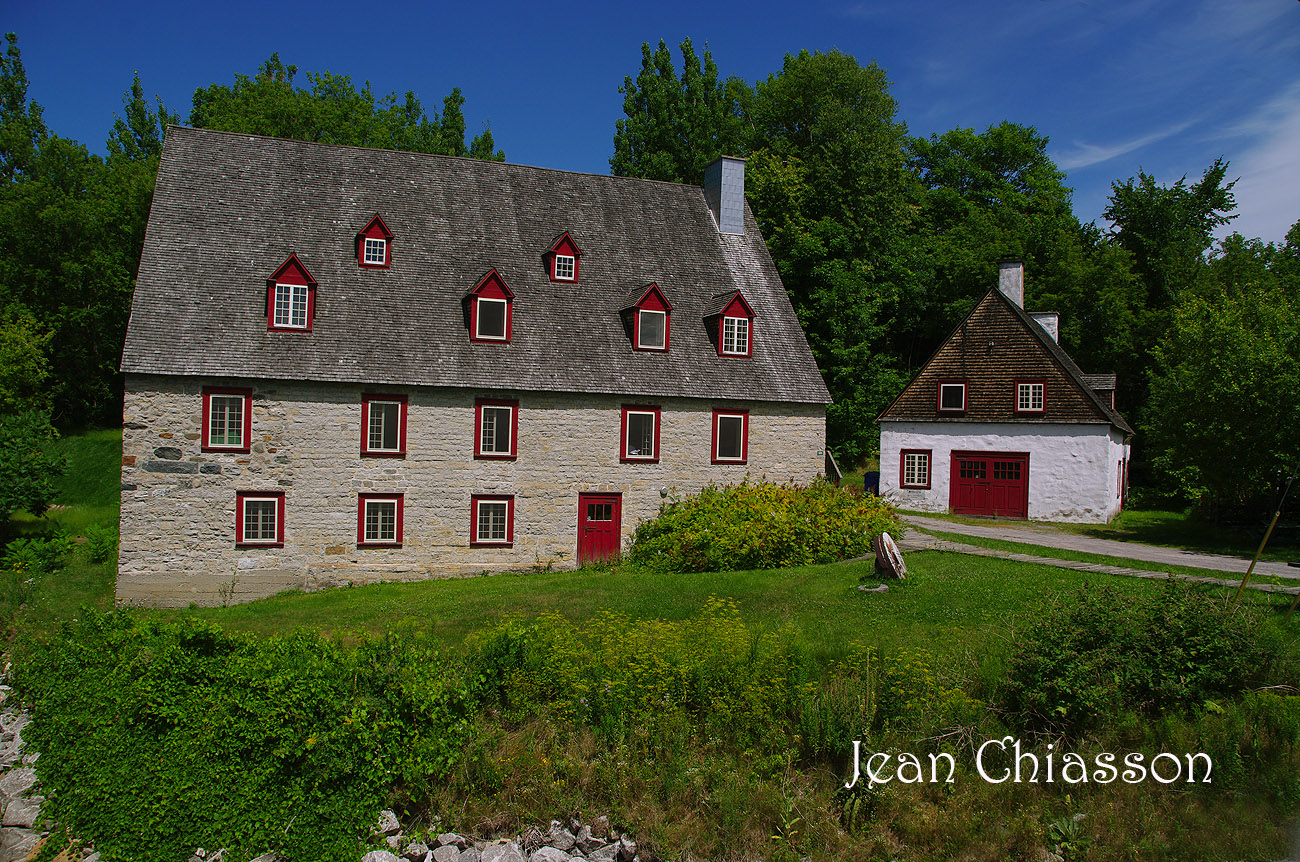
[(156, 738), (101, 543), (761, 526), (25, 562), (1099, 653), (616, 674)]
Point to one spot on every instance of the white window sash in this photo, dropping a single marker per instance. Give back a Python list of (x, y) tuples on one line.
[(495, 420), (649, 437), (381, 526), (492, 520), (641, 341), (291, 306), (378, 424), (226, 421), (565, 267), (375, 250), (735, 335), (260, 519), (478, 323), (739, 434)]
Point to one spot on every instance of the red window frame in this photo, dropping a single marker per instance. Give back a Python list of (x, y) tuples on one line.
[(292, 272), (204, 438), (242, 497), (565, 246), (719, 413), (938, 396), (737, 309), (491, 287), (624, 455), (479, 454), (400, 400), (902, 467), (474, 501), (375, 229), (396, 541), (1016, 396)]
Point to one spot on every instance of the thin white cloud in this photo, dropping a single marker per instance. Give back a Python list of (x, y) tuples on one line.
[(1268, 191), (1085, 155)]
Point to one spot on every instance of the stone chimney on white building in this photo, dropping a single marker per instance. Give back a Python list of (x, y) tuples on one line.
[(724, 189), (1011, 280)]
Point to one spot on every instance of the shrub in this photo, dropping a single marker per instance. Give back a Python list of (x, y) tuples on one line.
[(101, 543), (761, 526), (157, 737), (1099, 653)]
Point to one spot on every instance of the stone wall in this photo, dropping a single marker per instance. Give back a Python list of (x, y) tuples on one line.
[(178, 502), (1073, 468)]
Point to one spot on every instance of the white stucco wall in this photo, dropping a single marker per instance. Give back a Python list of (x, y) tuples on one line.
[(1073, 468)]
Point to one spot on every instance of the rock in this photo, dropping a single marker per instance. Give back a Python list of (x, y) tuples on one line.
[(30, 759), (386, 825), (94, 857), (16, 782), (24, 812), (608, 853), (380, 856), (883, 588), (502, 851), (394, 842), (16, 844), (447, 853), (265, 857), (415, 851), (549, 854), (600, 827), (531, 839), (451, 839), (586, 842), (559, 837), (626, 849), (471, 854)]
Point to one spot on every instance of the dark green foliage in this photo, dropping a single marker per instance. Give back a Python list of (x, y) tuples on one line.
[(21, 125), (29, 463), (155, 738), (334, 112), (1223, 421), (1098, 654), (761, 526)]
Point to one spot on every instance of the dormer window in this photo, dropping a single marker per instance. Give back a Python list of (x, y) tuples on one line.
[(563, 258), (735, 326), (489, 307), (647, 315), (375, 245), (290, 297), (952, 396)]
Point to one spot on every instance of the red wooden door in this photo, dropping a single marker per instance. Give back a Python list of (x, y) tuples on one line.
[(990, 483), (599, 517)]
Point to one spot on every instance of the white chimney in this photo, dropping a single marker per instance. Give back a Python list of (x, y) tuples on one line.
[(724, 189), (1011, 280), (1049, 320)]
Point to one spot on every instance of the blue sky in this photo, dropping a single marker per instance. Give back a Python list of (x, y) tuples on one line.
[(1117, 85)]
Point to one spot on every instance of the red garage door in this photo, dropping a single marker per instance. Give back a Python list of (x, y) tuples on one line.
[(990, 483)]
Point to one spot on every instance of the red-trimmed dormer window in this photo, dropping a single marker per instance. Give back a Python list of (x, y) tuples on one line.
[(489, 310), (648, 314), (375, 245), (290, 297), (735, 327), (562, 258)]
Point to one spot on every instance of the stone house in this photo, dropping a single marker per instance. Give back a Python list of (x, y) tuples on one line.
[(346, 365), (1001, 422)]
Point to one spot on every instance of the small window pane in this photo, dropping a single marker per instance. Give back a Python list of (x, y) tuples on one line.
[(385, 417), (640, 435), (916, 469), (259, 520), (291, 305), (376, 251), (1029, 396), (731, 432), (735, 335), (226, 420), (381, 520), (491, 521), (564, 266), (491, 318), (494, 438), (952, 396), (650, 332)]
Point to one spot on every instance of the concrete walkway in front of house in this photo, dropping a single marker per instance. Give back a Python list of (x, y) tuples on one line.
[(1047, 537)]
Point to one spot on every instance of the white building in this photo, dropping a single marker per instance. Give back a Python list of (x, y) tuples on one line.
[(1001, 422)]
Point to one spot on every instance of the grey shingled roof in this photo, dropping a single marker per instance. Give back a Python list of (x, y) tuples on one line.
[(228, 210)]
